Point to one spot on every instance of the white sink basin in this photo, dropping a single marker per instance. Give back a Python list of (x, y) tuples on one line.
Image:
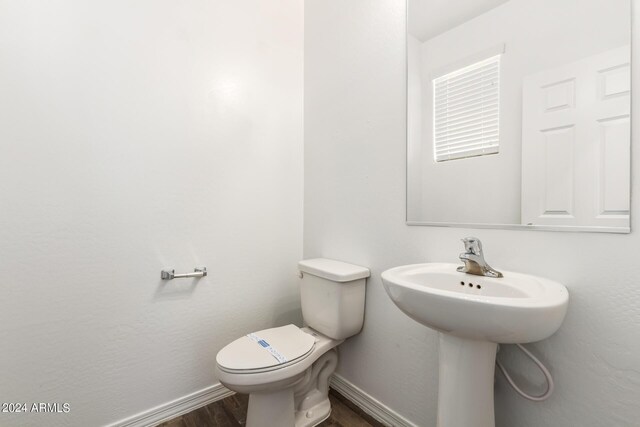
[(516, 308), (473, 314)]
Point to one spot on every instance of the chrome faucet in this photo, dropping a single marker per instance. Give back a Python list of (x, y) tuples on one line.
[(473, 259)]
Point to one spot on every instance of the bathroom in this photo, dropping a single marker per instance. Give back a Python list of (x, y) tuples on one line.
[(245, 137)]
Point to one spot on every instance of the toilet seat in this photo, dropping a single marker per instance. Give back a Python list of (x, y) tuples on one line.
[(254, 379), (266, 350)]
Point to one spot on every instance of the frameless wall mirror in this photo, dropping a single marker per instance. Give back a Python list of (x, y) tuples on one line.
[(518, 114)]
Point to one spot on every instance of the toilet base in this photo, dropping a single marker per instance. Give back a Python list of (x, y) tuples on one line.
[(305, 404), (314, 415), (312, 393), (271, 409), (277, 409)]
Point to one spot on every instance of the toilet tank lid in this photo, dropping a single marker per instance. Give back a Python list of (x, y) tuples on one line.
[(333, 270)]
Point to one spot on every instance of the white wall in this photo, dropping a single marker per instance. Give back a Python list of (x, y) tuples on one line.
[(414, 129), (355, 208), (137, 136), (537, 36)]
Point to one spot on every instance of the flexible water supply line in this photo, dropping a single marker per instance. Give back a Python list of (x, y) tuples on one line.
[(545, 372)]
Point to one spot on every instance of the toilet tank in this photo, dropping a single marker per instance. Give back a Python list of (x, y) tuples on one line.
[(332, 296)]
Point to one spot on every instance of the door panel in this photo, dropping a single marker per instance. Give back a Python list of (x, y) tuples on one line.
[(576, 143)]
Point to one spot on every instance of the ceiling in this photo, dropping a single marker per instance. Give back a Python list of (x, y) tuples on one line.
[(428, 18)]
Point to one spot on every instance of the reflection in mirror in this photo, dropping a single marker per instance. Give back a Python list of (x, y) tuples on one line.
[(519, 113)]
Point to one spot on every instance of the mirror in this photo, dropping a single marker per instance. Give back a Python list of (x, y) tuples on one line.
[(518, 114)]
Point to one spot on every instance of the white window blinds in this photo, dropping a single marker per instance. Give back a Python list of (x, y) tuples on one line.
[(466, 111)]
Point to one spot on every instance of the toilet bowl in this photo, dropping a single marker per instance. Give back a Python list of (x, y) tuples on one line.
[(286, 370), (281, 394)]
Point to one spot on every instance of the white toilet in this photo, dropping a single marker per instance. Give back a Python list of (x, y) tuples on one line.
[(286, 370)]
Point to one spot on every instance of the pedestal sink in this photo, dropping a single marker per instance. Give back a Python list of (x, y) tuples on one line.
[(472, 315)]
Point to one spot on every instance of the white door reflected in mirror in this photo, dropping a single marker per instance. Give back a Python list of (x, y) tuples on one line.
[(519, 114)]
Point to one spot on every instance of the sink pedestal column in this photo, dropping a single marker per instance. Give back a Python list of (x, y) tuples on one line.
[(465, 384)]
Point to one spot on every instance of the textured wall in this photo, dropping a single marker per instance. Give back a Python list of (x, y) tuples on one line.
[(136, 136), (355, 210)]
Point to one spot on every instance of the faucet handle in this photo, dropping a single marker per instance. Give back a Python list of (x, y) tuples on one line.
[(472, 245)]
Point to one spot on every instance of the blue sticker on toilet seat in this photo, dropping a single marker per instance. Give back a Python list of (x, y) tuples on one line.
[(275, 353)]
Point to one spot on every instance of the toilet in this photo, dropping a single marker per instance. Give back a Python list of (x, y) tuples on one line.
[(286, 370)]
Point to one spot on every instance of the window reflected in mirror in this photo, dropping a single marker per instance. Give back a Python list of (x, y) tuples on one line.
[(518, 114)]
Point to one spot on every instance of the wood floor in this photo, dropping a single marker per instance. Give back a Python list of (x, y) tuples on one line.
[(232, 411)]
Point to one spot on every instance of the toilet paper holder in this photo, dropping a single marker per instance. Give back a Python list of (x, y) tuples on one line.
[(171, 274)]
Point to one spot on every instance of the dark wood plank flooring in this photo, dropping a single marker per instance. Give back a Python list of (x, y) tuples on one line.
[(232, 412)]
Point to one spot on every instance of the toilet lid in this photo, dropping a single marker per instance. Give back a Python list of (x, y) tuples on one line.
[(269, 348)]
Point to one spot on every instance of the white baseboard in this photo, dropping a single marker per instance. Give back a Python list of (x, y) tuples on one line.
[(369, 404), (193, 401), (175, 408)]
